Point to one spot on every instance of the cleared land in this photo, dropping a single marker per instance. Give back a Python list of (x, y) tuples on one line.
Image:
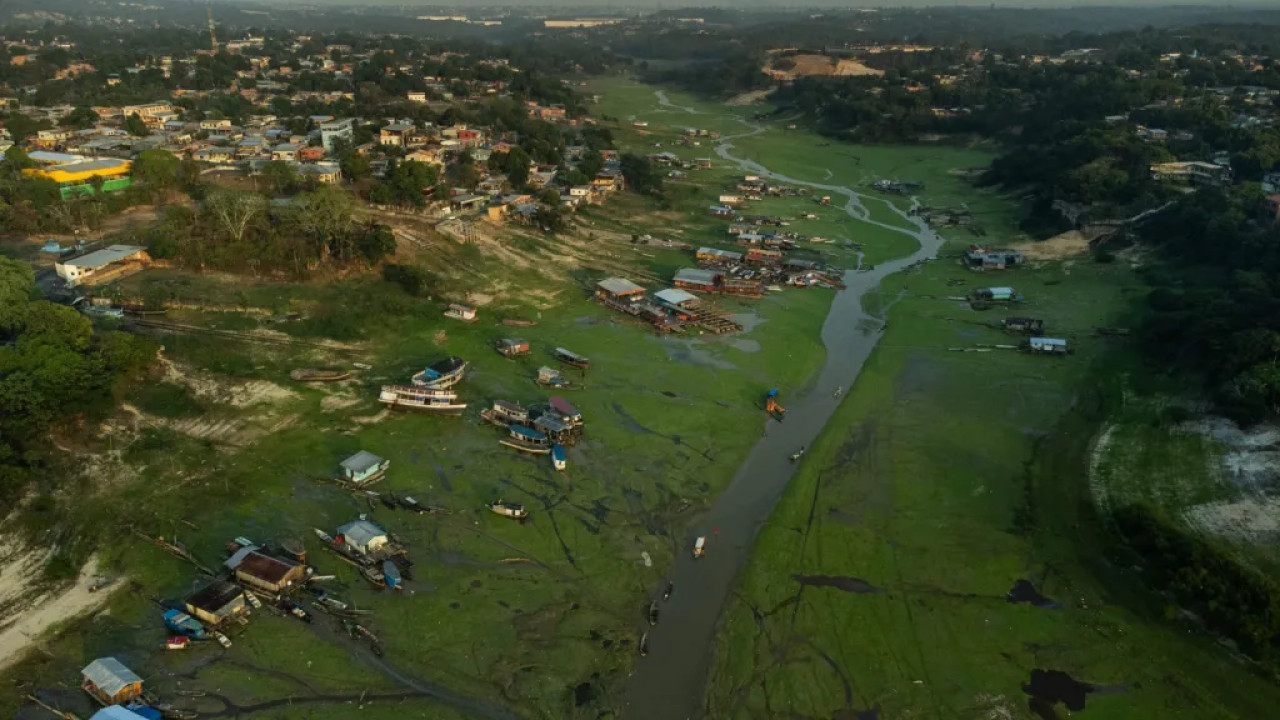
[(804, 65)]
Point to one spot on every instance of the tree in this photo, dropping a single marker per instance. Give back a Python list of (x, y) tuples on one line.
[(551, 218), (355, 167), (135, 126), (17, 281), (156, 168), (640, 173), (517, 167), (81, 117), (281, 176), (21, 126), (234, 211), (17, 158), (375, 242)]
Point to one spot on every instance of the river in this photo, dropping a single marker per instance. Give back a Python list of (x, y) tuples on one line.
[(669, 683)]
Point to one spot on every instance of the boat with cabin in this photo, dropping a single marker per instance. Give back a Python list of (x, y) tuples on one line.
[(511, 510), (527, 440), (420, 398), (513, 347), (391, 575), (504, 413), (571, 358), (441, 374), (550, 377), (559, 459), (700, 546), (320, 375)]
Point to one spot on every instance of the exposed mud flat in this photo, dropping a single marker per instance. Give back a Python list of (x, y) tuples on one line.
[(839, 582)]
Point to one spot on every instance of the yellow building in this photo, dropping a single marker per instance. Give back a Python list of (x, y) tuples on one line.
[(75, 178)]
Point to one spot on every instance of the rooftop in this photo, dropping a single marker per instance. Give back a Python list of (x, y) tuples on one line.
[(215, 596), (675, 296), (694, 275), (265, 567), (110, 675), (106, 256), (619, 286), (362, 461)]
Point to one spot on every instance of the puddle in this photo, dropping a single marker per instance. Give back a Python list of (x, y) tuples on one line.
[(688, 352), (749, 321), (1024, 592), (743, 344), (839, 582), (1048, 688)]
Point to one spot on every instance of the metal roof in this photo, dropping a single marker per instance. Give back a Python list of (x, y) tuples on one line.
[(675, 296), (619, 286), (695, 275), (105, 256), (265, 567), (1053, 342), (116, 712), (529, 433), (361, 532), (110, 675), (215, 596), (362, 462)]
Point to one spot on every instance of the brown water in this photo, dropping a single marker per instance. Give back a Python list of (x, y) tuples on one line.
[(669, 683)]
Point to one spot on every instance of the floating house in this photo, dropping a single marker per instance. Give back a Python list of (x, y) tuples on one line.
[(716, 257), (182, 623), (110, 682), (997, 294), (1047, 346), (441, 374), (980, 257), (363, 468), (217, 602), (571, 358), (263, 572), (527, 440), (1023, 325), (763, 256), (426, 399), (363, 536), (565, 409), (513, 347), (696, 279), (721, 211), (465, 313), (119, 712), (682, 303), (550, 377), (504, 413), (620, 294)]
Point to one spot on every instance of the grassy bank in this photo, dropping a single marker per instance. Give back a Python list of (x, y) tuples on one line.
[(916, 503)]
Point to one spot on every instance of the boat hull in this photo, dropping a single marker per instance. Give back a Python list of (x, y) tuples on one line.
[(524, 447)]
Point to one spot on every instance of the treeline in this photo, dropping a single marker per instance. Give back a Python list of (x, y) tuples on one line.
[(1214, 311), (1230, 599), (53, 367)]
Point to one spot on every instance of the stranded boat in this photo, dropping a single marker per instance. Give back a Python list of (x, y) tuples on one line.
[(442, 374), (550, 377), (391, 574), (653, 613), (511, 510), (421, 398), (571, 358), (700, 546), (558, 457), (504, 413), (644, 644), (527, 440), (322, 375)]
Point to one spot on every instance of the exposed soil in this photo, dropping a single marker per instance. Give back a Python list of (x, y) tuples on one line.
[(839, 582), (28, 612), (1068, 244), (823, 65)]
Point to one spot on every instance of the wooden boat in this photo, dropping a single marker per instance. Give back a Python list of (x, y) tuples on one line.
[(391, 575), (389, 501), (558, 457), (322, 375), (441, 374), (519, 322), (700, 546), (511, 510), (550, 377), (374, 576), (457, 311), (653, 613), (513, 347), (644, 644), (504, 413), (177, 642), (571, 358), (295, 610), (527, 440), (419, 398)]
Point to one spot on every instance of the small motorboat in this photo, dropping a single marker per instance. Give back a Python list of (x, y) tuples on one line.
[(389, 500), (671, 587), (558, 457), (700, 546), (177, 642), (797, 454), (644, 644), (653, 613), (511, 510), (391, 574), (295, 610)]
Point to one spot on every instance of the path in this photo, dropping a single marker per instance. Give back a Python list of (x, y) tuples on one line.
[(670, 682)]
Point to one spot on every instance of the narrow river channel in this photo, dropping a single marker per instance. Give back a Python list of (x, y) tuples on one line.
[(669, 683)]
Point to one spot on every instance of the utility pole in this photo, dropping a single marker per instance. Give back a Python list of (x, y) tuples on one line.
[(213, 36)]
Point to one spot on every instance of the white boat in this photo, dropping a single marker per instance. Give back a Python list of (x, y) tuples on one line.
[(699, 546), (418, 398), (511, 510), (558, 458), (440, 375)]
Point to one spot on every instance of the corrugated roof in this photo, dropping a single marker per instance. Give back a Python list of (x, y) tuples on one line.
[(116, 712), (105, 256), (695, 275), (361, 532), (675, 296), (529, 433), (362, 461), (215, 596), (265, 567), (110, 675), (619, 286)]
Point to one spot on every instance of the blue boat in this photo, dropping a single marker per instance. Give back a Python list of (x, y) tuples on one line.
[(558, 457), (391, 575), (527, 439), (441, 375), (180, 622)]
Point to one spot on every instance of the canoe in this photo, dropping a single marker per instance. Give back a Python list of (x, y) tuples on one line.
[(322, 375)]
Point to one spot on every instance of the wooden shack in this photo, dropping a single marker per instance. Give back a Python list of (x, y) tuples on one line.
[(264, 572), (217, 602), (109, 682), (620, 294), (1023, 325), (363, 468), (1047, 346), (513, 347)]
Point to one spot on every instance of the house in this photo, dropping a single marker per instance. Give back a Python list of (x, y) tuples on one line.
[(715, 256), (430, 156), (215, 124), (104, 265), (619, 291), (264, 572), (363, 468), (286, 152), (607, 180), (395, 134), (1196, 172), (496, 212), (696, 279), (681, 302), (1023, 325), (978, 256), (721, 211), (310, 154), (1047, 346), (117, 712), (214, 155), (702, 163), (217, 602), (327, 173), (336, 131), (416, 96), (110, 682), (763, 255), (363, 536)]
